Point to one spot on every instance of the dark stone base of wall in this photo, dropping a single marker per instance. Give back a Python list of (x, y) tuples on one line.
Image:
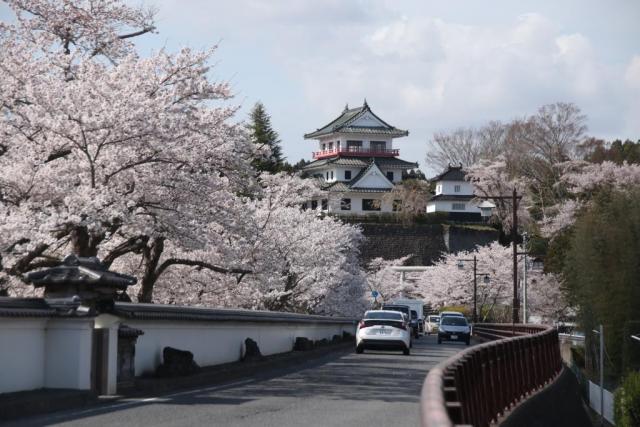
[(560, 404), (426, 242)]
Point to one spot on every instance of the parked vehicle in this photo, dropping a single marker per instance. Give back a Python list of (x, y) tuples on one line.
[(432, 324), (450, 313), (418, 306), (383, 329), (413, 322), (454, 328)]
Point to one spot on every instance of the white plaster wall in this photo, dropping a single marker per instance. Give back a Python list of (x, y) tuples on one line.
[(356, 204), (68, 353), (397, 174), (214, 343), (22, 353), (340, 172), (448, 187), (446, 206)]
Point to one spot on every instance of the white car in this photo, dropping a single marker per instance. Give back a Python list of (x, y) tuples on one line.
[(454, 328), (432, 324), (383, 329)]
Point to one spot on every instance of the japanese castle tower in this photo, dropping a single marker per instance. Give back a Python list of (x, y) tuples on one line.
[(356, 162)]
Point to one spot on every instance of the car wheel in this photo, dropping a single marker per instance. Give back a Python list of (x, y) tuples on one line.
[(359, 349), (406, 351)]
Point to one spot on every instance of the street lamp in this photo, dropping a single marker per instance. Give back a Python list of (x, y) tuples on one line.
[(486, 280)]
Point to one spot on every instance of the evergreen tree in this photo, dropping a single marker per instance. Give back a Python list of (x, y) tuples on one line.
[(263, 135)]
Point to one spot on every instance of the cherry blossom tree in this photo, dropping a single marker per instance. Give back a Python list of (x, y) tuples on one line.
[(490, 179), (580, 181), (388, 283), (445, 283), (137, 161), (296, 260), (105, 153)]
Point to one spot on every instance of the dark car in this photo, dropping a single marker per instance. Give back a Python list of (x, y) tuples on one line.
[(413, 321)]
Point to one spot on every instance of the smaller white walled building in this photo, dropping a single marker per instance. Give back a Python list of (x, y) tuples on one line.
[(455, 196)]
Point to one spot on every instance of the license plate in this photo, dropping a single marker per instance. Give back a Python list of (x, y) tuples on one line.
[(384, 331), (454, 337)]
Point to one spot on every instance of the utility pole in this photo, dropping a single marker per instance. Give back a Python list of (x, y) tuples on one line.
[(525, 313), (475, 290), (601, 375), (514, 237)]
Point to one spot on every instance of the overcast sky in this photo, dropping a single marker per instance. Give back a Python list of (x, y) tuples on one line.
[(424, 66)]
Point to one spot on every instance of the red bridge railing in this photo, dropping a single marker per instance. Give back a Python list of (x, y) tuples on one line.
[(479, 385)]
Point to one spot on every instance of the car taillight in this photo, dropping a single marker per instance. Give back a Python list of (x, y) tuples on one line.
[(362, 325), (406, 326)]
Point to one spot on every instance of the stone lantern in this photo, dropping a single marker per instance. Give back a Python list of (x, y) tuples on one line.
[(86, 280)]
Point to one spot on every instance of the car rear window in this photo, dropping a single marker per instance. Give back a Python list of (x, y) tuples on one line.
[(434, 319), (402, 308), (386, 315), (453, 321)]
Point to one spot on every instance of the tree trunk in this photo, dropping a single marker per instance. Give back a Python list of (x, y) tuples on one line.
[(80, 242), (151, 256)]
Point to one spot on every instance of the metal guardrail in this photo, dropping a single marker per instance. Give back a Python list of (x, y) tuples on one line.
[(480, 384)]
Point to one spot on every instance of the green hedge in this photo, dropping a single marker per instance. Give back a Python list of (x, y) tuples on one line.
[(627, 402)]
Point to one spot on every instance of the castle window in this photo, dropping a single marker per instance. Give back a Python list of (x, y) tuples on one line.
[(345, 204), (354, 146), (390, 176), (397, 205), (371, 204), (331, 174), (456, 188), (378, 145), (347, 174), (314, 204), (325, 204), (457, 206)]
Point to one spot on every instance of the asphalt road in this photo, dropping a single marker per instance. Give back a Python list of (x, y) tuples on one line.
[(347, 389)]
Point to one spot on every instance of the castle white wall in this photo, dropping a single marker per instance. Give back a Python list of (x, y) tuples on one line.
[(448, 187), (51, 353), (57, 353), (68, 353), (447, 206), (22, 354), (214, 343)]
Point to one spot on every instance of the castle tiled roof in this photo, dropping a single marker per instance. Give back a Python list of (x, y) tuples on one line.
[(362, 162), (349, 186), (452, 198), (453, 173), (344, 124)]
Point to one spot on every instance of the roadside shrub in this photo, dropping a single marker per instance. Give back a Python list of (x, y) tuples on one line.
[(627, 402), (577, 355)]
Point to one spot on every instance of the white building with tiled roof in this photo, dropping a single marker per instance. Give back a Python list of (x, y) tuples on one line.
[(455, 196), (356, 162)]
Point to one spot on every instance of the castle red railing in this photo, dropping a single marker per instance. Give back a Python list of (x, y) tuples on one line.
[(479, 385), (356, 151)]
